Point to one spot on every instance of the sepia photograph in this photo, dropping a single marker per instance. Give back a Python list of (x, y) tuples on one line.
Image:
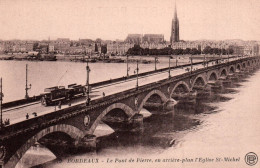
[(129, 83)]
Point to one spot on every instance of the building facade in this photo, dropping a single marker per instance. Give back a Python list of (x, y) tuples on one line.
[(134, 38), (153, 38), (119, 48)]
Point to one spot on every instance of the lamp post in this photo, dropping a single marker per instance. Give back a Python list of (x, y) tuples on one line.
[(176, 60), (87, 83), (207, 63), (26, 83), (1, 102), (137, 70), (228, 54), (191, 63), (127, 68), (169, 66), (84, 55), (204, 61), (155, 61), (204, 57), (221, 55)]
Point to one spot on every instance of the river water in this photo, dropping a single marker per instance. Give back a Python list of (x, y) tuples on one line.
[(226, 125), (47, 74)]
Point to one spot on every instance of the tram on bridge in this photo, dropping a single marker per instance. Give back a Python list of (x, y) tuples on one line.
[(60, 93)]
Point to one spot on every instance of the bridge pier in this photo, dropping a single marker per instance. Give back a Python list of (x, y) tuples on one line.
[(254, 69), (233, 77), (160, 108), (133, 124), (215, 86), (169, 105), (185, 98), (87, 143), (243, 73), (251, 69), (187, 102), (225, 81), (238, 75), (154, 108), (203, 92), (247, 71), (136, 123)]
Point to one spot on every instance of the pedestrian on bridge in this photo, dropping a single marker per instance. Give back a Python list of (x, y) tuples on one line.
[(59, 105), (88, 101), (27, 116), (7, 121), (104, 94)]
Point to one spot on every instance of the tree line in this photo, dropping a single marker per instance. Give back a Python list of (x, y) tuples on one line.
[(137, 50)]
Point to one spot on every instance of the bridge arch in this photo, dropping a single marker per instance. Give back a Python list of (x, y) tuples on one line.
[(252, 63), (231, 70), (223, 72), (153, 92), (213, 76), (70, 130), (238, 67), (244, 65), (127, 110), (199, 79), (248, 63), (180, 84)]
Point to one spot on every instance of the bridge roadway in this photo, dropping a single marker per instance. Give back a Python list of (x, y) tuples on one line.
[(18, 114)]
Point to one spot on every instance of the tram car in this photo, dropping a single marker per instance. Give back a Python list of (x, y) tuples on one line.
[(76, 90), (60, 93)]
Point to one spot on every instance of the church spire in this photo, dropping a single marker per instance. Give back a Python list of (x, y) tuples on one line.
[(175, 37), (175, 11)]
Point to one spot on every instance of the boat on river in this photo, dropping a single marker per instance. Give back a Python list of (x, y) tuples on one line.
[(48, 57)]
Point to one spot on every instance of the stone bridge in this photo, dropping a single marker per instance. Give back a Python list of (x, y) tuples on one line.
[(120, 111)]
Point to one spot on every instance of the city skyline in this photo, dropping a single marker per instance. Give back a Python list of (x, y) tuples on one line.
[(114, 19)]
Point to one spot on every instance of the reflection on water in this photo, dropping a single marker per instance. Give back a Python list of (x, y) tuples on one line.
[(209, 125), (34, 156)]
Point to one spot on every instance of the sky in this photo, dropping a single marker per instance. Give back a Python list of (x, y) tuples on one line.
[(114, 19)]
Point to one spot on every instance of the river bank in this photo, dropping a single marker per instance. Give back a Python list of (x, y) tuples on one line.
[(73, 58), (112, 59)]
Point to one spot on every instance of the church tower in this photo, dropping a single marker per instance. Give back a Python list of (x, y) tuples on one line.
[(175, 28)]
